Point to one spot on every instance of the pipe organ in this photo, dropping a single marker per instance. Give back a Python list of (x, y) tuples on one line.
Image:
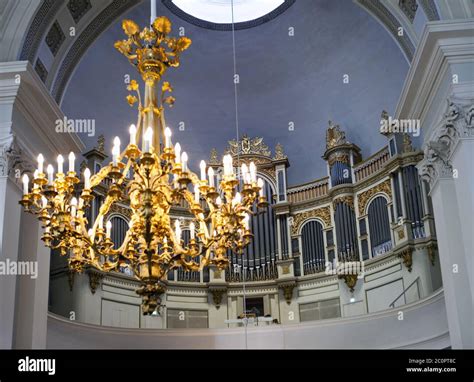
[(358, 212)]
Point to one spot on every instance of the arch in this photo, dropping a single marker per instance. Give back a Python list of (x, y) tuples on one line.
[(374, 196), (389, 21), (119, 228), (312, 243), (310, 219), (40, 18), (379, 226)]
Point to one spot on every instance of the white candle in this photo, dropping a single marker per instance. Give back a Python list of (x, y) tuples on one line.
[(44, 202), (228, 168), (253, 172), (90, 232), (147, 140), (152, 11), (177, 227), (167, 137), (101, 221), (262, 188), (73, 207), (40, 163), (177, 152), (25, 184), (50, 171), (116, 151), (60, 164), (165, 241), (202, 166), (196, 193), (245, 171), (246, 221), (210, 174), (184, 161), (108, 228), (219, 201), (87, 178), (133, 134), (192, 229), (71, 158), (237, 199)]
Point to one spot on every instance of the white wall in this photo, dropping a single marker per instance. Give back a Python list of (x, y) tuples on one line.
[(424, 325)]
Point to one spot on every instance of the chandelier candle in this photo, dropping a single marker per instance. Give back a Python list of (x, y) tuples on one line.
[(71, 158), (160, 180)]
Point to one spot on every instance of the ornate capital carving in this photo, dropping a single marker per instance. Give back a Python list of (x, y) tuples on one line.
[(12, 161), (350, 280), (323, 213), (407, 257), (217, 294), (364, 197), (94, 280), (458, 123), (288, 291)]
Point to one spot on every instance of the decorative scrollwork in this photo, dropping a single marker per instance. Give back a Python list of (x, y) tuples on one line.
[(279, 153), (248, 146), (365, 196), (335, 136), (323, 213), (346, 199)]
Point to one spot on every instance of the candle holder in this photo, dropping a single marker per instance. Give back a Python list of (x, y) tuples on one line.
[(147, 159), (87, 196), (132, 151), (184, 179), (26, 202), (262, 202), (168, 154), (115, 191), (115, 172), (49, 192), (40, 179)]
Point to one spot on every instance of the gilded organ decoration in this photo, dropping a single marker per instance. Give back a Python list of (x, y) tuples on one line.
[(323, 213), (338, 157), (279, 153), (365, 196), (213, 157), (346, 199), (248, 146), (334, 136)]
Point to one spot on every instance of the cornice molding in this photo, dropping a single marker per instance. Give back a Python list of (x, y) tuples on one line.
[(441, 43)]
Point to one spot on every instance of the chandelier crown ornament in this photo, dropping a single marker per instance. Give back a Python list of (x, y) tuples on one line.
[(151, 175)]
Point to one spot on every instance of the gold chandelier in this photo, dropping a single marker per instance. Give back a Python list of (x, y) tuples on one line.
[(150, 180)]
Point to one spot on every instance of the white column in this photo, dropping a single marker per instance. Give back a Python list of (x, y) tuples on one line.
[(32, 290), (454, 268), (463, 160), (9, 242)]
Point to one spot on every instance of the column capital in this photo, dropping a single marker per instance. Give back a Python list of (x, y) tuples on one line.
[(457, 124), (13, 161)]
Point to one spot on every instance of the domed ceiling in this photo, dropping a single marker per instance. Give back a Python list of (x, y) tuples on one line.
[(285, 79)]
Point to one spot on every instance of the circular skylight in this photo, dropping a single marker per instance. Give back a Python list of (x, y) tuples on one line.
[(217, 14), (220, 11)]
